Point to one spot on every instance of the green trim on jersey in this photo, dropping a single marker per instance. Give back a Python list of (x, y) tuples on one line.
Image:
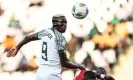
[(61, 50), (53, 29), (57, 37)]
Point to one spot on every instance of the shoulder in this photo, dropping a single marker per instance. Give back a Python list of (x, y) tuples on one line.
[(40, 33), (45, 32)]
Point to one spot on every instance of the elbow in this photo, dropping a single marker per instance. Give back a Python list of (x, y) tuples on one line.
[(63, 64)]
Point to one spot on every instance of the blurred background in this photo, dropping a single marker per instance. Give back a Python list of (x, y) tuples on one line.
[(103, 39)]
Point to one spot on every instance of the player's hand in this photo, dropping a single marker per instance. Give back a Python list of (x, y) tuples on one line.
[(12, 52)]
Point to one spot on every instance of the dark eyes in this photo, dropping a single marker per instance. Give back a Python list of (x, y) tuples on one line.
[(59, 22)]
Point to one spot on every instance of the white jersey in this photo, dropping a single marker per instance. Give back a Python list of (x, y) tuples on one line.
[(52, 42)]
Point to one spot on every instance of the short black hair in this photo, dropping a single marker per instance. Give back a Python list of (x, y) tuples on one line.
[(57, 16), (101, 68), (89, 75)]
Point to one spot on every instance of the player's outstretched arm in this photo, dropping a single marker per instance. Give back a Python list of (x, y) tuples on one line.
[(66, 63), (27, 39), (12, 52)]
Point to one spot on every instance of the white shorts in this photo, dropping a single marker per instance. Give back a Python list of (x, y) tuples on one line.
[(45, 73)]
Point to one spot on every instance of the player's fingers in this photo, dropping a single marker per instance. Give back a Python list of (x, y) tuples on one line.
[(14, 55), (8, 55)]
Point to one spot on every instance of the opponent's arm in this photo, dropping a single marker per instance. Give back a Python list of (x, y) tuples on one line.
[(66, 63)]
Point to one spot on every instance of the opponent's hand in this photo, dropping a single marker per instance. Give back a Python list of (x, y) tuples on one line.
[(12, 52)]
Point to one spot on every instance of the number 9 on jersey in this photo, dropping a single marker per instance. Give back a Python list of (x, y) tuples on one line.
[(44, 51)]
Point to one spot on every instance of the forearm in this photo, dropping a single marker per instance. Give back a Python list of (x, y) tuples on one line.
[(23, 42), (26, 40), (70, 65)]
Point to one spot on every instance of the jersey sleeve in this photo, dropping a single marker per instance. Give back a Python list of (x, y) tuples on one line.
[(45, 34), (40, 34)]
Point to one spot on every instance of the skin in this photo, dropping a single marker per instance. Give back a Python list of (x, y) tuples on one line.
[(60, 24)]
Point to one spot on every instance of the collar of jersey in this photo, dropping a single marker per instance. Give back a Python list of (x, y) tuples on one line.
[(53, 29)]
